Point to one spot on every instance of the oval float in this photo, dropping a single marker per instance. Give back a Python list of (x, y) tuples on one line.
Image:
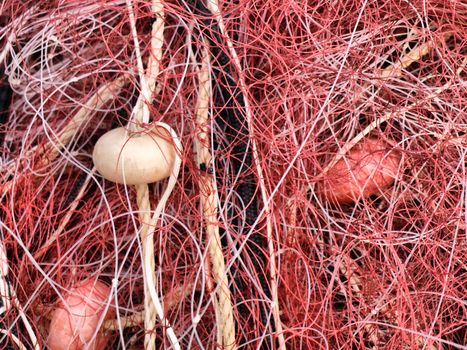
[(74, 323), (365, 170), (134, 158)]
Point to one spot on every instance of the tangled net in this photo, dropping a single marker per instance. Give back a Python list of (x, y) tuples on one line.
[(306, 82)]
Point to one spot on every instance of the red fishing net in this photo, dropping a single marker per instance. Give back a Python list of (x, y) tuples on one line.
[(298, 93)]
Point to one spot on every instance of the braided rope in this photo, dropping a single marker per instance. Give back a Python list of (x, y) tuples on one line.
[(152, 301), (52, 149), (208, 192), (147, 242), (9, 300), (213, 7)]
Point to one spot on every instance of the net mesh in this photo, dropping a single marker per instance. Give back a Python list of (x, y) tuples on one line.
[(386, 271)]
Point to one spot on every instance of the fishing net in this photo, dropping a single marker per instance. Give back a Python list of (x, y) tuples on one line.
[(272, 236)]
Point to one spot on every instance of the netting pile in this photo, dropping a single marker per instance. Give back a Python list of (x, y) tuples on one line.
[(315, 79)]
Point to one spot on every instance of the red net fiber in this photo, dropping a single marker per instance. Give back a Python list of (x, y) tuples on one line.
[(383, 271)]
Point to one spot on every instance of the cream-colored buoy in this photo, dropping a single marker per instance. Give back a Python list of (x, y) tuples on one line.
[(134, 158)]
